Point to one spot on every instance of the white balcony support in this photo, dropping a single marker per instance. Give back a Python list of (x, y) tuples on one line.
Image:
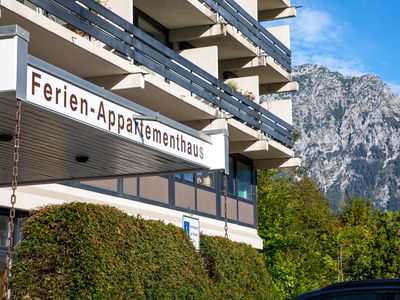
[(205, 57), (277, 14), (282, 33), (247, 86), (122, 8), (251, 6), (280, 108)]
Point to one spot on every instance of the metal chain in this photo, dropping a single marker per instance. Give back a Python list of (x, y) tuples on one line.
[(226, 204), (13, 200)]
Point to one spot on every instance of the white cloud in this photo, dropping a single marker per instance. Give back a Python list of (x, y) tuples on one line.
[(316, 39), (394, 87), (314, 26)]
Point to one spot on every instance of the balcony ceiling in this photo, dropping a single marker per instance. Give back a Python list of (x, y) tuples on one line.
[(268, 71), (266, 74), (272, 4), (177, 13)]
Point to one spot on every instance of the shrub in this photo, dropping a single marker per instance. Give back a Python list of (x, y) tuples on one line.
[(86, 251), (238, 270)]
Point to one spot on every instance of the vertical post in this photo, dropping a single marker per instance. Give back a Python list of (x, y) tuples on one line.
[(14, 61), (226, 204), (13, 200)]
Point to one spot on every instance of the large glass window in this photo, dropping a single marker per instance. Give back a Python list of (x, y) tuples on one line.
[(4, 219), (244, 180), (231, 177), (205, 178), (189, 177), (3, 230), (240, 179), (151, 27)]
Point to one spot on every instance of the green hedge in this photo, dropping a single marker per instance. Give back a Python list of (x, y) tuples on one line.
[(87, 251), (237, 270)]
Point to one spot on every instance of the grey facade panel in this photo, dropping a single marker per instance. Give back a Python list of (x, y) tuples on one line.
[(154, 188), (206, 202)]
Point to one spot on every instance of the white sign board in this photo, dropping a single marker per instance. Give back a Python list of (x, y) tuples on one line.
[(72, 101), (192, 227)]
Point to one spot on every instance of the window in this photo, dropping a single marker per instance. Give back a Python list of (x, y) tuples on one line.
[(231, 181), (244, 180), (205, 178), (4, 219), (240, 178), (185, 177), (3, 230), (151, 27)]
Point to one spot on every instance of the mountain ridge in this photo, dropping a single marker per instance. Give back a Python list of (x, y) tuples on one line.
[(349, 134)]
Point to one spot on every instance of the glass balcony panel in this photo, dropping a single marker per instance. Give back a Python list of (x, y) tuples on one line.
[(244, 180)]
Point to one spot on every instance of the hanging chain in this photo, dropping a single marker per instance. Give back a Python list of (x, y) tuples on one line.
[(226, 204), (13, 200)]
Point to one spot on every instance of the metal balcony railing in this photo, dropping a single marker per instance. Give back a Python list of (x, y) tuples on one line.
[(235, 15), (104, 25)]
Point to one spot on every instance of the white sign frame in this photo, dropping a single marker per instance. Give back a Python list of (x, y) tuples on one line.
[(192, 226)]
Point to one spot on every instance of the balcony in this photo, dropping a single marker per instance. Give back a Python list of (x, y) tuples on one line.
[(238, 35), (123, 43), (240, 19)]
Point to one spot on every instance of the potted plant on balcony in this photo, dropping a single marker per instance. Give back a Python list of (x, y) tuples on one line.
[(249, 95), (234, 86)]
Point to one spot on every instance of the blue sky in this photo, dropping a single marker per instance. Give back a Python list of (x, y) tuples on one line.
[(354, 37)]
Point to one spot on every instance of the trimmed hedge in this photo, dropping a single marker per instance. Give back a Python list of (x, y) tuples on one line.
[(237, 269), (87, 251)]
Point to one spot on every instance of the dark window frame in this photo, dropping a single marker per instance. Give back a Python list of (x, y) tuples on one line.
[(157, 25)]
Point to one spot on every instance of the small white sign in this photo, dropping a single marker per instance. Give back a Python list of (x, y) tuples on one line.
[(192, 227), (69, 100)]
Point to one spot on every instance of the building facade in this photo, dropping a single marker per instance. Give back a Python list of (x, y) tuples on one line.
[(201, 64)]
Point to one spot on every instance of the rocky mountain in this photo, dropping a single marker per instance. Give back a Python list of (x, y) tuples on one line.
[(349, 135)]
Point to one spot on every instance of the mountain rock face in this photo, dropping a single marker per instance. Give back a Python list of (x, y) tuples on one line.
[(349, 135)]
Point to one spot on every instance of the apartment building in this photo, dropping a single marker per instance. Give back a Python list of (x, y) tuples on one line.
[(144, 105)]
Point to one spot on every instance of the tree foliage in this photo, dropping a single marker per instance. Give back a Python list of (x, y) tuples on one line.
[(307, 246), (295, 223)]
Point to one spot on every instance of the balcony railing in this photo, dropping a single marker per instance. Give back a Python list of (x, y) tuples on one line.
[(235, 15), (104, 25)]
